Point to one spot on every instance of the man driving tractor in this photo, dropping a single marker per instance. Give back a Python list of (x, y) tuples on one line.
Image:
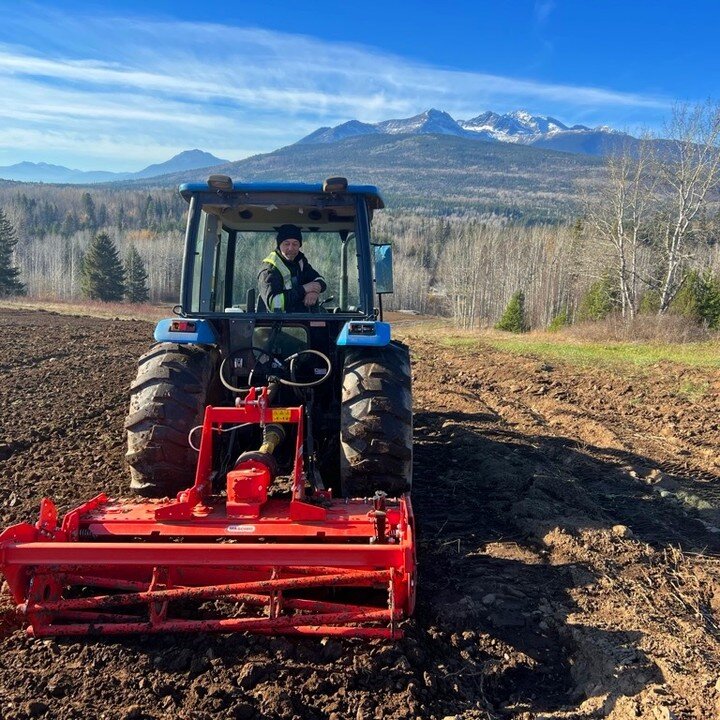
[(287, 282)]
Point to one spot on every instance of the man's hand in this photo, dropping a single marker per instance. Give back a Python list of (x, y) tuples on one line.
[(313, 287), (311, 298)]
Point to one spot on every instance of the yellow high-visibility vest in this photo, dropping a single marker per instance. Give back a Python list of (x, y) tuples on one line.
[(278, 301)]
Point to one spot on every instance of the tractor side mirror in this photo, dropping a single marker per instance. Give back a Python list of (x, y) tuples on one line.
[(383, 269)]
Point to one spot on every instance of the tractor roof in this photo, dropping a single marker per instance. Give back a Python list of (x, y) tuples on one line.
[(370, 192)]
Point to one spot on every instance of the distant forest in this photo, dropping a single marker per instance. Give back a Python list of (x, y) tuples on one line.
[(644, 240)]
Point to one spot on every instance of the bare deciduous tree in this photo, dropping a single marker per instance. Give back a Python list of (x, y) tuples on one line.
[(617, 213), (463, 267), (689, 174)]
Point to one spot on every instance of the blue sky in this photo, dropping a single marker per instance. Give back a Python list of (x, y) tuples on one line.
[(121, 85)]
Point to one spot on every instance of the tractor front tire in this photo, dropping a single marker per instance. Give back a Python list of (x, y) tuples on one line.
[(167, 399), (376, 422)]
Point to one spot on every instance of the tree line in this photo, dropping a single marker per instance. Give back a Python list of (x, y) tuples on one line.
[(645, 242)]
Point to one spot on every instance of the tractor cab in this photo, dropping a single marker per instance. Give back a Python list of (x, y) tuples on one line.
[(232, 228)]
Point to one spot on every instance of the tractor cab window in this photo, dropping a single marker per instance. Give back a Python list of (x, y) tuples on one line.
[(227, 261)]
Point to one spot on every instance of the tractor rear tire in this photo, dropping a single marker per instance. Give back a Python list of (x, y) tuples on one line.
[(376, 422), (167, 399)]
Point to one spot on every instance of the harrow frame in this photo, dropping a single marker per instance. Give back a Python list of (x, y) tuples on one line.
[(268, 566)]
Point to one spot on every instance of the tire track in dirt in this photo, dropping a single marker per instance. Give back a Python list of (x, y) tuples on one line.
[(592, 482)]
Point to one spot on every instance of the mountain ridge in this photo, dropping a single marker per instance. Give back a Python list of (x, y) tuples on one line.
[(446, 172), (26, 171), (515, 128), (518, 126)]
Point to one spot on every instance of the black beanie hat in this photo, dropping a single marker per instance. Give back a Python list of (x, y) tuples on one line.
[(288, 231)]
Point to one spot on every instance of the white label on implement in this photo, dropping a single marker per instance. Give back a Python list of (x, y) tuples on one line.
[(240, 528)]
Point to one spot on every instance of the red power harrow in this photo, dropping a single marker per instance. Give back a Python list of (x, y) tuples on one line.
[(203, 562)]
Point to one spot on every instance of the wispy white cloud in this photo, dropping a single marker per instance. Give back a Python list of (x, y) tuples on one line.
[(105, 84), (542, 10)]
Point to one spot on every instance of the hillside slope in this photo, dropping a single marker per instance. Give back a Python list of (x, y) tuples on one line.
[(439, 172)]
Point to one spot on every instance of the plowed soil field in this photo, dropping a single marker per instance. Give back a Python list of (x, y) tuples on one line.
[(568, 546)]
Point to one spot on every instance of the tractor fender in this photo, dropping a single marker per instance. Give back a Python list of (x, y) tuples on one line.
[(364, 333), (184, 331)]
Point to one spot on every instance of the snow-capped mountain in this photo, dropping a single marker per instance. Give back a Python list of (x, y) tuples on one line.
[(431, 121), (515, 127)]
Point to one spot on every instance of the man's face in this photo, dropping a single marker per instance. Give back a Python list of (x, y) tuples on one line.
[(289, 248)]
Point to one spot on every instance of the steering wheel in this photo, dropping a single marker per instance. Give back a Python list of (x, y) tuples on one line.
[(265, 362)]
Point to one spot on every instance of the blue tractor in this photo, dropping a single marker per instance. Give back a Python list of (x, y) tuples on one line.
[(336, 359)]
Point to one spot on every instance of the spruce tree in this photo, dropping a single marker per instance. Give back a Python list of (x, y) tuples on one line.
[(136, 289), (708, 302), (9, 283), (601, 299), (89, 218), (70, 224), (699, 298), (103, 276), (513, 319), (559, 321)]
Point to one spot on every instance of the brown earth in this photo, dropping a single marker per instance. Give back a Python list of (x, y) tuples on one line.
[(568, 547)]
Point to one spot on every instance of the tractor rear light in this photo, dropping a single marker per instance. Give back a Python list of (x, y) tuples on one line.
[(183, 326), (361, 329)]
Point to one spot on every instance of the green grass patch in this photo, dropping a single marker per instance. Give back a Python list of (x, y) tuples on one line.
[(700, 354), (693, 390)]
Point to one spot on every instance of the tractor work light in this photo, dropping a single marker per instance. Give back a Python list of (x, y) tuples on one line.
[(220, 182), (335, 185)]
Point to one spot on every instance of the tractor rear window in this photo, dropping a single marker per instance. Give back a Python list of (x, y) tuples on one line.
[(227, 262)]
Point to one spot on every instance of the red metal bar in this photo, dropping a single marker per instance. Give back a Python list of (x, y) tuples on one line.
[(366, 633), (211, 591), (100, 582), (221, 625), (98, 617), (78, 554), (300, 604)]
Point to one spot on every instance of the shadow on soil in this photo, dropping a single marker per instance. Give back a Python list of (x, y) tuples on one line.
[(484, 498)]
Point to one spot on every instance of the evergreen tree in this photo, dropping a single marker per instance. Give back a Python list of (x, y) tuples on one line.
[(136, 289), (103, 276), (102, 215), (559, 321), (149, 213), (600, 300), (89, 218), (9, 283), (513, 319), (686, 300), (650, 302), (708, 302), (699, 298), (69, 225)]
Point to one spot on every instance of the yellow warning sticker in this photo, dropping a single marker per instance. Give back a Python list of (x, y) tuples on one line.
[(280, 415)]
